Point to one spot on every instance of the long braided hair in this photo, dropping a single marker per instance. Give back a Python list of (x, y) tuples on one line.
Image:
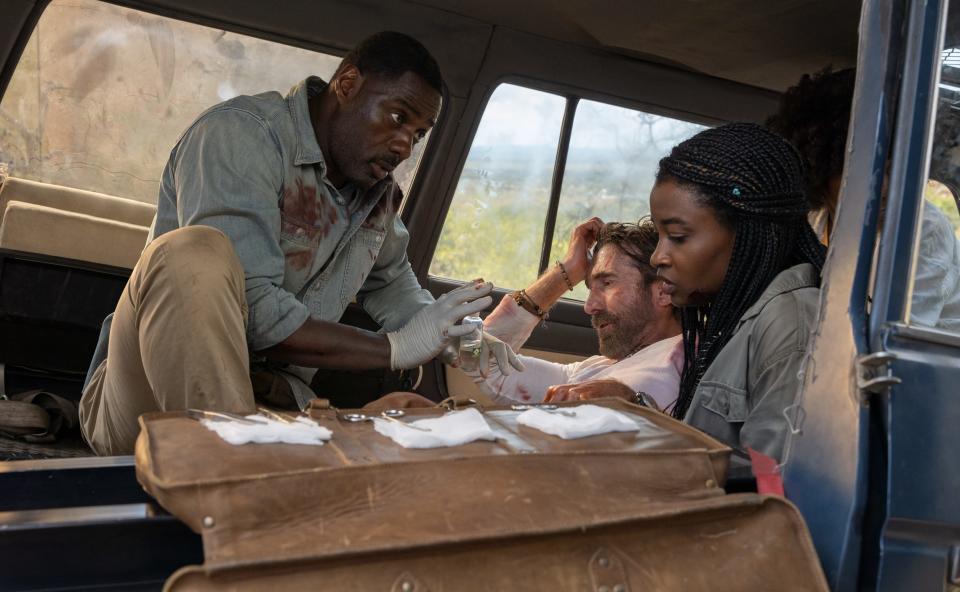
[(753, 179)]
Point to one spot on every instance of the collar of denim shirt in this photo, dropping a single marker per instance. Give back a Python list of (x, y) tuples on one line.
[(308, 150)]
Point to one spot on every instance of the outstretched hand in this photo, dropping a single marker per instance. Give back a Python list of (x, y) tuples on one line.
[(398, 400), (502, 354), (428, 332), (490, 347), (591, 389)]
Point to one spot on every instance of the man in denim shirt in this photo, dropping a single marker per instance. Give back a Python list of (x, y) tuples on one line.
[(273, 214)]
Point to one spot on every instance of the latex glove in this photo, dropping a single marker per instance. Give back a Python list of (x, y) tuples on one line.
[(426, 334), (450, 355), (502, 354)]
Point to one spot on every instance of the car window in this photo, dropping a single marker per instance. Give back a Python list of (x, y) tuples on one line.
[(936, 271), (494, 228), (611, 165), (102, 93), (501, 210)]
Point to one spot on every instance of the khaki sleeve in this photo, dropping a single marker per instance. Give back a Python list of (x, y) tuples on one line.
[(779, 344), (765, 429)]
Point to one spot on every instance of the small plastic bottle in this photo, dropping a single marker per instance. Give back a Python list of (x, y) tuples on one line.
[(470, 344)]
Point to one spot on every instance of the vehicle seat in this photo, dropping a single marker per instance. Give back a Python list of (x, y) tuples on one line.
[(91, 203), (59, 221), (65, 255), (43, 230)]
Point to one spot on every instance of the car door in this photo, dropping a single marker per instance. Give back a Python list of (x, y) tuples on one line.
[(872, 461), (915, 321)]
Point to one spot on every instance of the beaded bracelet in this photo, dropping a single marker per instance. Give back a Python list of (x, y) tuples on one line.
[(566, 278), (527, 304)]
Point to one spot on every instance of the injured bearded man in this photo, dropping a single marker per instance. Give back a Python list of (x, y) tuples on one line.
[(638, 329)]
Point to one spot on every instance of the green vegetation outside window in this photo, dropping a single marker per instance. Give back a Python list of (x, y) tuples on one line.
[(494, 228), (501, 209)]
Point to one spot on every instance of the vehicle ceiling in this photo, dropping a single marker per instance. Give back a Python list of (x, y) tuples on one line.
[(765, 43), (761, 43)]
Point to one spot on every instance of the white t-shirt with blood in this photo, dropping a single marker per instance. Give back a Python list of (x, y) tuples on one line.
[(654, 369)]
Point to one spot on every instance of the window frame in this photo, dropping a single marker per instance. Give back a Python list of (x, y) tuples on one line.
[(572, 95), (928, 69), (909, 168)]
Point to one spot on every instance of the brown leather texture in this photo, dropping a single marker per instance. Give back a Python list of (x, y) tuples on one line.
[(727, 543), (363, 491), (364, 513)]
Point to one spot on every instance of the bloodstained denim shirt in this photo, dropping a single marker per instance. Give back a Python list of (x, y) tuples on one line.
[(252, 168)]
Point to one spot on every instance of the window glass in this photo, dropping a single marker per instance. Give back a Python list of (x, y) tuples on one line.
[(611, 165), (494, 228), (936, 280), (102, 93)]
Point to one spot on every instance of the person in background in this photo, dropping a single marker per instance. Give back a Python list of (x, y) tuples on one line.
[(814, 115)]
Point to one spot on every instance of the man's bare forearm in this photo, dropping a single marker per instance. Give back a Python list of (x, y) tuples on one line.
[(548, 288), (322, 344), (560, 277)]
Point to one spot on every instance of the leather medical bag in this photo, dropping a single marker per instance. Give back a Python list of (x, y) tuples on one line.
[(623, 511)]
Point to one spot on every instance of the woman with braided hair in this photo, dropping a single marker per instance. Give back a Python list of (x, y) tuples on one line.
[(737, 255)]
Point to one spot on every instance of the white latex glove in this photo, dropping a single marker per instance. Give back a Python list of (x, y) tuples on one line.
[(426, 334), (451, 353), (502, 354)]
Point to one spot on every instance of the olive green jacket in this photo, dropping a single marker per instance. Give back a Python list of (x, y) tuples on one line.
[(742, 396)]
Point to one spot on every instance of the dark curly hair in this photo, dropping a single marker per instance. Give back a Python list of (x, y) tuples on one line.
[(753, 179), (391, 54), (814, 116)]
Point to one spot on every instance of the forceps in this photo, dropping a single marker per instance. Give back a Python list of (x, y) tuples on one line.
[(274, 415), (199, 414), (544, 407), (389, 414)]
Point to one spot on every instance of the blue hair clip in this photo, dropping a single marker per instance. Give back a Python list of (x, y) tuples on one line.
[(736, 191)]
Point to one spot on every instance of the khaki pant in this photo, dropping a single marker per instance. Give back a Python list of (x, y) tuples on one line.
[(177, 340)]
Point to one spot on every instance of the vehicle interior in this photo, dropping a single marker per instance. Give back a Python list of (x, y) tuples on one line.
[(551, 113)]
